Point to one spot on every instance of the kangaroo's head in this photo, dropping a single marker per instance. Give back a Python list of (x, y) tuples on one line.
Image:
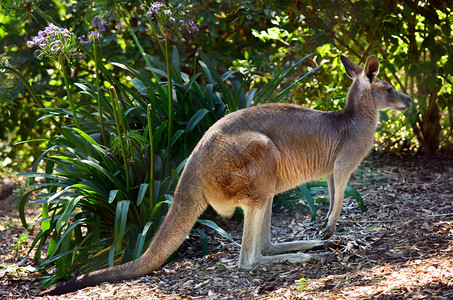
[(382, 93)]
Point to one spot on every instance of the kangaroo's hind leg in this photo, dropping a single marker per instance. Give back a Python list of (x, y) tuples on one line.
[(270, 248), (252, 241)]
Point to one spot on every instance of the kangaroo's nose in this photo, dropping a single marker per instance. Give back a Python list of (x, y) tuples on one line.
[(409, 101), (406, 98)]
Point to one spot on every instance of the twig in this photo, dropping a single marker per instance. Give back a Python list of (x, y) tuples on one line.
[(434, 216), (379, 239), (383, 221)]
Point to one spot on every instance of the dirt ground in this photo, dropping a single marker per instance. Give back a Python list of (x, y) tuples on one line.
[(401, 247)]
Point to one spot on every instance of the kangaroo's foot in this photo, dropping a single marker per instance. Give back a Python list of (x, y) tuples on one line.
[(328, 231), (277, 248), (290, 257)]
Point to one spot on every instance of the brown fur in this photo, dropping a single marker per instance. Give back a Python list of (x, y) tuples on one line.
[(252, 154)]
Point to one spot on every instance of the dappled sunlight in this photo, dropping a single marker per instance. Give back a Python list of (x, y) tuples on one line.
[(418, 277)]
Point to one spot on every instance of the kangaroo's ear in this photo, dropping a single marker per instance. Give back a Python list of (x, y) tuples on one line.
[(372, 68), (352, 70)]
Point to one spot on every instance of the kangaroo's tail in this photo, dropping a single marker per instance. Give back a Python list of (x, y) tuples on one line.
[(187, 206)]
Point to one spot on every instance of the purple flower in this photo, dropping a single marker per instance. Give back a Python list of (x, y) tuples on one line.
[(189, 25), (155, 8), (93, 35), (55, 42), (108, 152), (101, 24), (82, 41), (173, 20)]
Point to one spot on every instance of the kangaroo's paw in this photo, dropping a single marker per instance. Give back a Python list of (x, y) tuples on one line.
[(294, 258), (290, 257), (277, 248), (328, 231)]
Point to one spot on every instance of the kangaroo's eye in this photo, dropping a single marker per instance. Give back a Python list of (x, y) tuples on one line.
[(389, 91)]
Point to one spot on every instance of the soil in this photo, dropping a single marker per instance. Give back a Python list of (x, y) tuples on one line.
[(401, 247)]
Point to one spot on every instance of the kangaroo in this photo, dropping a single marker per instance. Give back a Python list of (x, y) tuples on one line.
[(251, 155)]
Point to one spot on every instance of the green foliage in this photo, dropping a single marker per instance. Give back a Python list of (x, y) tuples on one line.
[(6, 92), (302, 284), (23, 239), (413, 41), (204, 237)]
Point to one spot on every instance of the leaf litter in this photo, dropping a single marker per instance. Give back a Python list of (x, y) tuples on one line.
[(401, 247)]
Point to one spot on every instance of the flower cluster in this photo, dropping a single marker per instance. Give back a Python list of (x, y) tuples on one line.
[(93, 35), (55, 43), (173, 20), (101, 24)]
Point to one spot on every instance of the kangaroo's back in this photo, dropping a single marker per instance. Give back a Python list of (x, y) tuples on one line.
[(308, 141)]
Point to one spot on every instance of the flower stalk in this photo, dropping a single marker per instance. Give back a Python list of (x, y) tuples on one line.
[(68, 92), (170, 106), (116, 113), (151, 158), (98, 88), (172, 21)]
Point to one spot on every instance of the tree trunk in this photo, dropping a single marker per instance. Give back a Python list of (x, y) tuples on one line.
[(430, 125)]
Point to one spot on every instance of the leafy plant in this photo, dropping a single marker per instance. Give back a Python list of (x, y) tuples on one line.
[(301, 284), (18, 244)]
